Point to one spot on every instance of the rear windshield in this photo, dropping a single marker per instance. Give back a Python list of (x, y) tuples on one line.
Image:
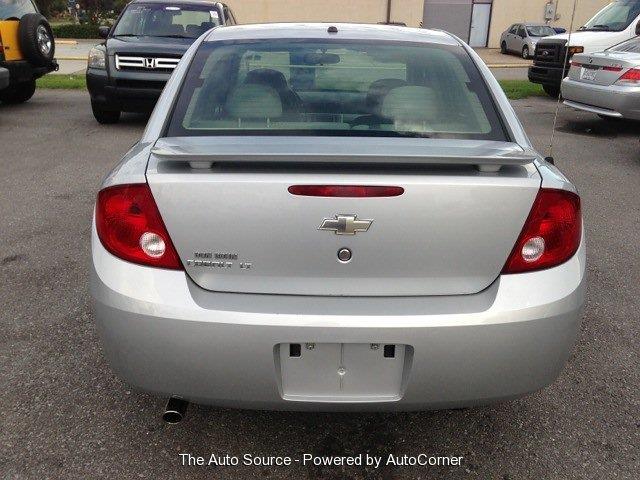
[(317, 87), (632, 45)]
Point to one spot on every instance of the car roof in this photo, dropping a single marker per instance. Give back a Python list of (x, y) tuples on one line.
[(349, 31)]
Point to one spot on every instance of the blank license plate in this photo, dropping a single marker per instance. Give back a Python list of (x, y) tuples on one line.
[(588, 74), (334, 372)]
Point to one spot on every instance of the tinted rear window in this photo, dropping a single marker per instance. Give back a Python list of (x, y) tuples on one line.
[(632, 45), (317, 87)]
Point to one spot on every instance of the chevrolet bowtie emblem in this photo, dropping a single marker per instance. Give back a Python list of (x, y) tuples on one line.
[(345, 224)]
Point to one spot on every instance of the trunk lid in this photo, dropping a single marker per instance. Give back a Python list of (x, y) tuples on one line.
[(227, 208), (603, 68)]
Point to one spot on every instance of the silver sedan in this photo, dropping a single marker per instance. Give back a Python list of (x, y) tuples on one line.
[(606, 83), (336, 217), (522, 38)]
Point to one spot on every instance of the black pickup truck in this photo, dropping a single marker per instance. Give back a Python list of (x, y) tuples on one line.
[(127, 72), (551, 64)]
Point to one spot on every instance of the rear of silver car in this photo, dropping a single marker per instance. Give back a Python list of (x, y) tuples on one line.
[(383, 257), (606, 83)]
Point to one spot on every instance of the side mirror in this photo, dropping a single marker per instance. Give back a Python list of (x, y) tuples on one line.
[(104, 31)]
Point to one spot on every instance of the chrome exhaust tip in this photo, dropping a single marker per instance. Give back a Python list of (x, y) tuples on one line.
[(175, 410)]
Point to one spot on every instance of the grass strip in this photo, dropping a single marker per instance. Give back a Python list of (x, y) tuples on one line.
[(517, 89), (66, 82)]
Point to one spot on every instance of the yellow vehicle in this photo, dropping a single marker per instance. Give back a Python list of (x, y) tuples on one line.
[(27, 48)]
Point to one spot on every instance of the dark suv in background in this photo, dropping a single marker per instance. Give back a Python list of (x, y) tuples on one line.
[(127, 72)]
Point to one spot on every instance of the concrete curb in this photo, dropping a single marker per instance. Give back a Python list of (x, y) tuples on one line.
[(509, 65)]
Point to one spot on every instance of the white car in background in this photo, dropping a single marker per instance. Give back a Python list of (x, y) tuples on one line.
[(617, 22)]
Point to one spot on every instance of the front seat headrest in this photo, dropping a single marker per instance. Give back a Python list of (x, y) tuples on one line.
[(269, 77), (379, 89)]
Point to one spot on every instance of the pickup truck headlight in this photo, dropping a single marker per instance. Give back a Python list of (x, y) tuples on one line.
[(97, 58)]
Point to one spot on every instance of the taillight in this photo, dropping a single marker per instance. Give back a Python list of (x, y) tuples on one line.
[(576, 64), (551, 235), (130, 227), (631, 77)]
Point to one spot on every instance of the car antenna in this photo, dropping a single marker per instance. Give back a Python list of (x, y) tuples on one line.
[(549, 158)]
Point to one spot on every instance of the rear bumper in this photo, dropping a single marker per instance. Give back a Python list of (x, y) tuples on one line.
[(613, 101), (165, 335), (546, 75), (125, 92), (4, 78), (23, 71)]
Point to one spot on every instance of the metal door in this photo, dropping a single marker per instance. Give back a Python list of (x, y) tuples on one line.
[(480, 18)]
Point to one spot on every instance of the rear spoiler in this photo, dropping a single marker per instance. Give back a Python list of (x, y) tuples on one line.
[(203, 152)]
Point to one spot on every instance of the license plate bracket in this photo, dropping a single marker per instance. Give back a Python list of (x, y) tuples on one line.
[(342, 372)]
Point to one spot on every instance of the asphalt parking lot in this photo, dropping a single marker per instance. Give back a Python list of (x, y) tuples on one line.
[(65, 415)]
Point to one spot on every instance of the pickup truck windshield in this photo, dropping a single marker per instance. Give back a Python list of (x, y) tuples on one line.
[(166, 20), (346, 88), (615, 17), (16, 8)]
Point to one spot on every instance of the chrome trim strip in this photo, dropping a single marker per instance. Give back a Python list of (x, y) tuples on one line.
[(147, 63), (592, 109)]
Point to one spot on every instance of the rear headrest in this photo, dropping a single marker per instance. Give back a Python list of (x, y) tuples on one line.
[(410, 103), (268, 77), (378, 90), (254, 101)]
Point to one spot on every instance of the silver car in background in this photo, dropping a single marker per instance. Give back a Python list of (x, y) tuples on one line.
[(522, 38), (606, 83), (336, 217)]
